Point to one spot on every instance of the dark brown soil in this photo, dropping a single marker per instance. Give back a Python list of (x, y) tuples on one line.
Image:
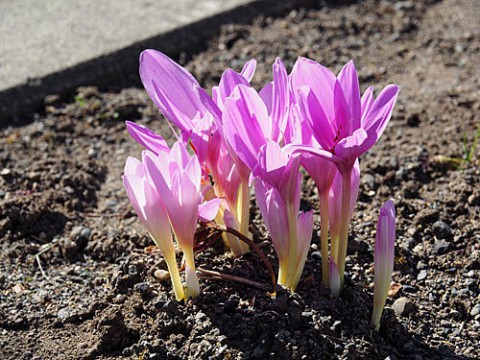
[(61, 194)]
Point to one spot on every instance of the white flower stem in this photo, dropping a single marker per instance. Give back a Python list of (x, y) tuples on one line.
[(324, 237), (345, 222)]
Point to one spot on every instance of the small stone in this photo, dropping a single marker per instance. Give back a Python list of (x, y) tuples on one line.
[(161, 275), (81, 235), (418, 249), (441, 230), (119, 299), (63, 314), (422, 275), (92, 153), (111, 203), (421, 265), (403, 306), (142, 287), (200, 317), (475, 310), (441, 247), (471, 274), (369, 181)]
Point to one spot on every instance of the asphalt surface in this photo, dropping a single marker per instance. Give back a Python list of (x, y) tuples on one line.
[(51, 47)]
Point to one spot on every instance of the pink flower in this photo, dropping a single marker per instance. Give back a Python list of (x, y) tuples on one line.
[(149, 206), (384, 259), (177, 177), (322, 172), (277, 186), (344, 125), (185, 104)]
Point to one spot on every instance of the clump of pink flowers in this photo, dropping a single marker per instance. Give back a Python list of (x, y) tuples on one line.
[(240, 140)]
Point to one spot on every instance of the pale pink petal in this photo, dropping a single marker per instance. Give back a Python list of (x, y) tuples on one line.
[(266, 93), (159, 176), (376, 119), (367, 100), (194, 172), (276, 213), (248, 69), (343, 114), (334, 277), (316, 118), (304, 233), (351, 147), (318, 78), (133, 166), (280, 100), (245, 124), (229, 80), (179, 155), (183, 212), (321, 170), (176, 93), (147, 138), (384, 259), (208, 210), (348, 79)]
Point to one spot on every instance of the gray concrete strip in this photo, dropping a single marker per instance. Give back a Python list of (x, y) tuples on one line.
[(53, 46)]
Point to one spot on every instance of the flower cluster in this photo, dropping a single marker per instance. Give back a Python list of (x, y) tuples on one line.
[(238, 139)]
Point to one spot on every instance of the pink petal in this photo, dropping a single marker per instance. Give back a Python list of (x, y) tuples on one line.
[(385, 238), (245, 124), (229, 80), (276, 213), (351, 147), (318, 78), (348, 79), (147, 138), (208, 210), (248, 69), (134, 167), (280, 100), (179, 155), (304, 231), (343, 114), (367, 100), (321, 170), (279, 168), (316, 117), (183, 211), (176, 93), (203, 137), (149, 207), (158, 175), (266, 93), (376, 119), (334, 277), (194, 172)]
